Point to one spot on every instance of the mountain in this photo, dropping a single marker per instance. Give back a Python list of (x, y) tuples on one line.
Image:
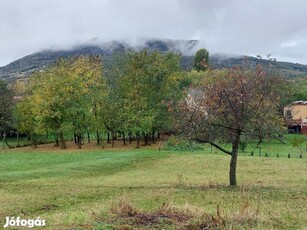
[(287, 69), (23, 67)]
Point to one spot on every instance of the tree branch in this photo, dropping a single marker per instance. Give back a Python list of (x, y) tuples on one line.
[(277, 138), (224, 126), (216, 146)]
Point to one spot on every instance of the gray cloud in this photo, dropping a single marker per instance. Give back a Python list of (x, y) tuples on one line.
[(224, 26)]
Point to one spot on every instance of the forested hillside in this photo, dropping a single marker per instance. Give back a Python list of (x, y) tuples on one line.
[(23, 67)]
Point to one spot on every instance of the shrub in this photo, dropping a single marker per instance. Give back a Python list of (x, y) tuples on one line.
[(243, 145), (176, 143)]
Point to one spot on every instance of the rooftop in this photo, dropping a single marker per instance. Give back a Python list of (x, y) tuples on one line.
[(301, 102)]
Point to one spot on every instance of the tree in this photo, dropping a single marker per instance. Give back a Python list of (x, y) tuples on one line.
[(19, 88), (138, 113), (112, 115), (228, 104), (26, 120), (63, 98), (149, 87), (6, 102), (6, 108), (162, 84), (86, 90), (201, 60)]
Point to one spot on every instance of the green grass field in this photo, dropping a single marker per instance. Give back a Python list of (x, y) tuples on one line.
[(148, 189)]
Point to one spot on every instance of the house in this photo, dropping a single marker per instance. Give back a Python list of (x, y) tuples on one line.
[(296, 117)]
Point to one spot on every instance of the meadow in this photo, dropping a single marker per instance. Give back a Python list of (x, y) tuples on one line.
[(128, 188)]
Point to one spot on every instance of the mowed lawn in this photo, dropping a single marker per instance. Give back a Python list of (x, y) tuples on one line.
[(78, 189)]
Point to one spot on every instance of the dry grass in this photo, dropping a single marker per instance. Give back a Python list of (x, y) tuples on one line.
[(123, 207), (124, 214)]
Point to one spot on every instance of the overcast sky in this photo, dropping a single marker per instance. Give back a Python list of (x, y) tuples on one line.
[(248, 27)]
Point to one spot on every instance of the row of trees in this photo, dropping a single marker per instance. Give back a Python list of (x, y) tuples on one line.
[(130, 97)]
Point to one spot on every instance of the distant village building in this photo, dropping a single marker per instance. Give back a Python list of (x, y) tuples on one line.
[(193, 98), (296, 117)]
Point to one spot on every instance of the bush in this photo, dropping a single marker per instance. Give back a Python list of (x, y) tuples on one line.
[(176, 143), (243, 145)]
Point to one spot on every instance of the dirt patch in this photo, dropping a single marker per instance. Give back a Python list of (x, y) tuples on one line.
[(48, 207), (72, 147), (184, 217), (154, 218)]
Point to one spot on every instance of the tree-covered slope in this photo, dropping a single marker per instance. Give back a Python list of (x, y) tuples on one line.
[(23, 67)]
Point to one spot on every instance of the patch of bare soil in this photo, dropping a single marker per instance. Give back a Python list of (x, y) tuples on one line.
[(181, 221), (72, 147)]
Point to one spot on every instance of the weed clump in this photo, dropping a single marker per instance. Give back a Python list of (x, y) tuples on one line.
[(123, 207)]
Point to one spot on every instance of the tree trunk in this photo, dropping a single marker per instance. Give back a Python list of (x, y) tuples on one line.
[(62, 140), (233, 161), (130, 138), (138, 141), (56, 137), (145, 135), (79, 140), (17, 145), (34, 141), (75, 138), (233, 167), (159, 140), (108, 138), (113, 139), (124, 138), (148, 138), (3, 141), (98, 137), (88, 137), (153, 136)]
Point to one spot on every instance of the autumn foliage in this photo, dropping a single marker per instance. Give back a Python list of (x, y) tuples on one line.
[(228, 104)]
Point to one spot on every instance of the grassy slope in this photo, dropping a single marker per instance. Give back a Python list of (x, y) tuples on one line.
[(75, 189)]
